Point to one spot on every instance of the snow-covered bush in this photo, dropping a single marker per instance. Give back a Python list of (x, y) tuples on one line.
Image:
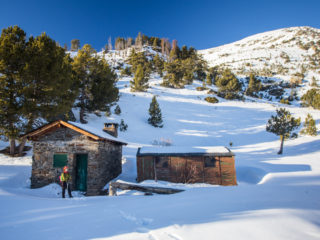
[(123, 126), (117, 110)]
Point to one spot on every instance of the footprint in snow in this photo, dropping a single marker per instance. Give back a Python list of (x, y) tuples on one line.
[(152, 237), (174, 236), (138, 221)]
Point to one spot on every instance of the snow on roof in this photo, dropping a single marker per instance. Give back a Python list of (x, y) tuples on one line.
[(96, 131), (172, 150)]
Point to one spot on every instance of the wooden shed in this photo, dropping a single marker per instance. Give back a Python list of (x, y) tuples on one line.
[(92, 155), (214, 165)]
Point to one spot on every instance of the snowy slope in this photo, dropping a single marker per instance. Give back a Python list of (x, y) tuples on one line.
[(117, 58), (277, 197), (283, 52)]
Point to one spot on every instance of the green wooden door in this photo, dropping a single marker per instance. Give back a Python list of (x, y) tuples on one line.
[(81, 178)]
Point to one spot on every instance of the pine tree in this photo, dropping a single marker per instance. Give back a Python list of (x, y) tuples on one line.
[(136, 59), (158, 65), (311, 98), (162, 46), (174, 74), (110, 44), (12, 62), (117, 44), (155, 44), (254, 86), (36, 82), (120, 43), (188, 69), (97, 81), (155, 118), (282, 125), (192, 53), (209, 79), (117, 110), (132, 56), (106, 49), (129, 42), (175, 51), (200, 68), (138, 42), (50, 88), (309, 126), (81, 65), (212, 75), (167, 47), (123, 126), (184, 52), (140, 80), (314, 82), (103, 86), (145, 40), (125, 71), (75, 44), (228, 85)]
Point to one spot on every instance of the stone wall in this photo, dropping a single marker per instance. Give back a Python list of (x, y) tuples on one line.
[(106, 166), (104, 159)]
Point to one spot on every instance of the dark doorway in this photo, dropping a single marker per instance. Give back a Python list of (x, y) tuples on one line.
[(81, 172)]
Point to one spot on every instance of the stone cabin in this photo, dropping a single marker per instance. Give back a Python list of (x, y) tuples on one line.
[(213, 165), (93, 156)]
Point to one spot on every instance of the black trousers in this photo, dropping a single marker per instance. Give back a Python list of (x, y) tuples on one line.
[(64, 186)]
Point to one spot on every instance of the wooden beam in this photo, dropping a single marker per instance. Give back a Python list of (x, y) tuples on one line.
[(58, 124), (42, 130), (128, 186), (41, 133), (77, 129)]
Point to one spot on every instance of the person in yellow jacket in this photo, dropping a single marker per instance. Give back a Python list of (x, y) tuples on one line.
[(65, 179)]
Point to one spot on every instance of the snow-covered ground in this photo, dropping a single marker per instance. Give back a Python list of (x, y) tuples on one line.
[(277, 197), (284, 51)]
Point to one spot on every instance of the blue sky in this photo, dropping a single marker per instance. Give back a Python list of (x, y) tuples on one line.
[(199, 23)]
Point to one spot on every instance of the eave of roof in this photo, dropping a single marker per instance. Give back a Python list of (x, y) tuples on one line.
[(42, 130), (184, 152)]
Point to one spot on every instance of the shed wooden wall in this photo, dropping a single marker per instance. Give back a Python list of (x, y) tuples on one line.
[(180, 169), (228, 171)]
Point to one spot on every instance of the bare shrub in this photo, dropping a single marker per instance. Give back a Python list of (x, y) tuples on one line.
[(186, 173), (296, 80), (162, 142)]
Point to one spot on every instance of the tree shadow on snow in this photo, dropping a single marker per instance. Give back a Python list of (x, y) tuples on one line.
[(253, 166)]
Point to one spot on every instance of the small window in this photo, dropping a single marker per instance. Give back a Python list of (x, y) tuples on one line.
[(162, 162), (60, 160), (210, 162)]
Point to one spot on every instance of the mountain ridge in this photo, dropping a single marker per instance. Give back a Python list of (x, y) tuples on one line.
[(281, 53), (265, 32)]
